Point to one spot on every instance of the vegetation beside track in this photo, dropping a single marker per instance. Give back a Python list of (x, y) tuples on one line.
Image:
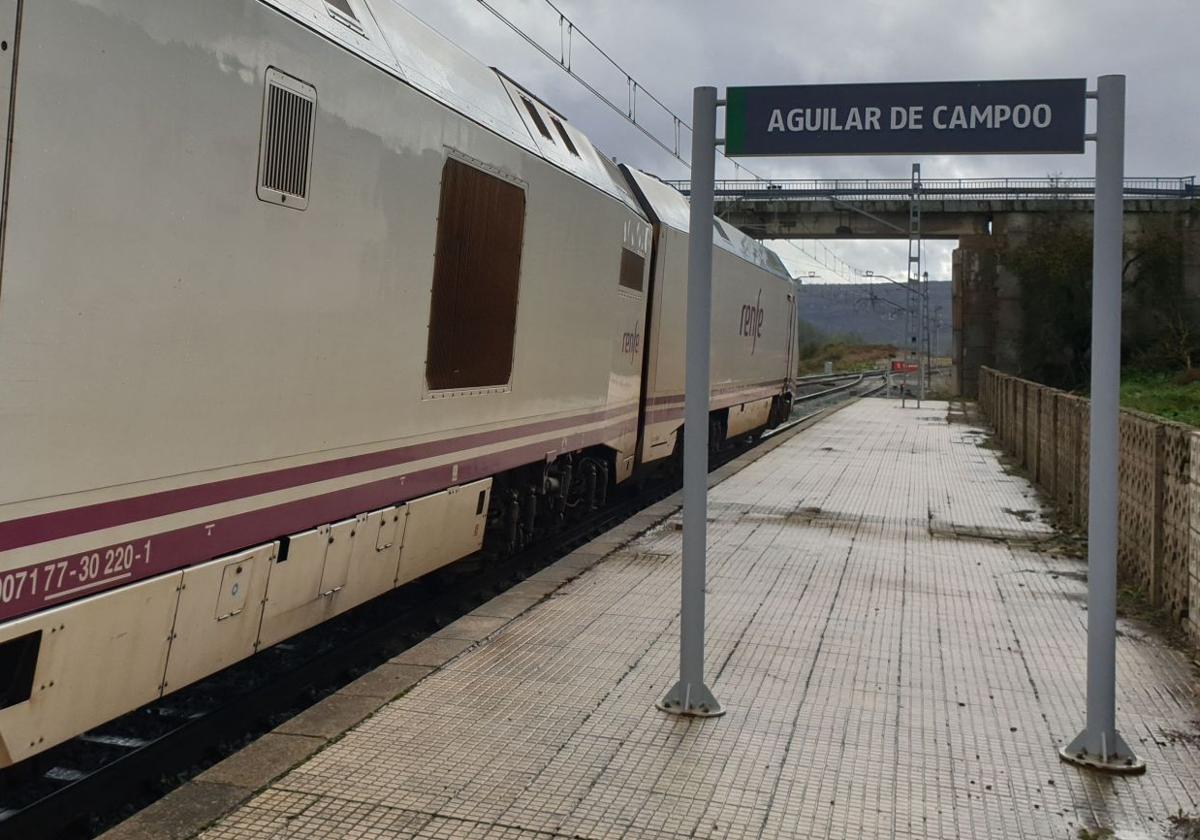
[(1175, 396), (848, 353)]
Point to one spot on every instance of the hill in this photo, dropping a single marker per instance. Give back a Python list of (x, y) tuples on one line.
[(873, 312)]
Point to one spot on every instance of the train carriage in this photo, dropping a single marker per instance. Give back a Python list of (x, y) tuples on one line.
[(299, 302), (753, 327), (232, 402)]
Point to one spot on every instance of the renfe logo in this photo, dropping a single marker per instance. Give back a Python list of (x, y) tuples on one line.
[(631, 342), (752, 322)]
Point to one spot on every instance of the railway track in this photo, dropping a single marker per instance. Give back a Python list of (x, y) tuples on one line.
[(84, 786), (830, 386)]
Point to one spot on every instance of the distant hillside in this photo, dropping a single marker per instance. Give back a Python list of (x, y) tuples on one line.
[(869, 311)]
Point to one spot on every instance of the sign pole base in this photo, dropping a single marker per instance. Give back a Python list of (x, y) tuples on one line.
[(690, 700), (1116, 758)]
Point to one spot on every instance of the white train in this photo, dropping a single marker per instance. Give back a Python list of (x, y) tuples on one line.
[(298, 302)]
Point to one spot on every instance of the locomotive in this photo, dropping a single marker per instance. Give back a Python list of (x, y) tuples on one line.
[(298, 303)]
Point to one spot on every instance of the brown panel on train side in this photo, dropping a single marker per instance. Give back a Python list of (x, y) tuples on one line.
[(633, 270), (476, 279)]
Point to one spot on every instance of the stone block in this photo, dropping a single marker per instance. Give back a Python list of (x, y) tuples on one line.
[(535, 588), (1139, 543), (1194, 594), (1194, 485), (396, 676), (263, 761), (508, 605), (332, 716), (434, 652), (475, 628), (182, 813), (1066, 475), (1177, 491)]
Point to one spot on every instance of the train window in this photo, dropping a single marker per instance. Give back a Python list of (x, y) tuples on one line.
[(476, 275), (18, 662), (340, 11), (537, 119), (566, 137), (633, 268), (285, 148)]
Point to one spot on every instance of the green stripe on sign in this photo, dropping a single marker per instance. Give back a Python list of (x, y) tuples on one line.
[(735, 121)]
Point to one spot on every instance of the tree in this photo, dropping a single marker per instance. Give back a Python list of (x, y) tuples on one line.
[(1159, 329), (1054, 267)]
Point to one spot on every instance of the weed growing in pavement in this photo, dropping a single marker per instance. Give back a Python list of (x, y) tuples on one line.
[(1185, 826), (1133, 604)]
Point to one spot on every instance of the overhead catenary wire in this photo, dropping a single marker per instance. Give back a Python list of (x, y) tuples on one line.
[(564, 61), (568, 30)]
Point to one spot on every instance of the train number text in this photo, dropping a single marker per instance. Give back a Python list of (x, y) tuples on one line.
[(85, 570)]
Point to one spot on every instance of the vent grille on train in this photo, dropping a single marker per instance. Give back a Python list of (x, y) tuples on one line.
[(285, 152)]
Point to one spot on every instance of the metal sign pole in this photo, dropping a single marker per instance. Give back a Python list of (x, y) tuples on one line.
[(926, 330), (914, 281), (690, 696), (1100, 745)]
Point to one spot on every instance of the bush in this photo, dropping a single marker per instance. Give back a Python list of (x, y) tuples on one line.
[(1054, 268)]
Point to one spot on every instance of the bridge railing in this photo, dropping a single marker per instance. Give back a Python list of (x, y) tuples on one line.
[(967, 189)]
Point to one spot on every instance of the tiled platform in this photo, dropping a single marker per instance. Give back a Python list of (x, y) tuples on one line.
[(897, 658)]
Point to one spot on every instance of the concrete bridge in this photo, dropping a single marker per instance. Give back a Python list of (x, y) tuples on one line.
[(986, 216), (950, 208)]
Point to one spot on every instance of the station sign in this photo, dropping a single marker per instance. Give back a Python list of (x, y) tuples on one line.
[(1045, 116)]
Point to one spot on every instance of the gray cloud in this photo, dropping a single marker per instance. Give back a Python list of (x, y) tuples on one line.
[(673, 45)]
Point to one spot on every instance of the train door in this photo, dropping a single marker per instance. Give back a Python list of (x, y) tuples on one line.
[(793, 317), (649, 338)]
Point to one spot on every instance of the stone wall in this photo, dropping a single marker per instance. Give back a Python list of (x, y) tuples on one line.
[(974, 301), (1158, 544)]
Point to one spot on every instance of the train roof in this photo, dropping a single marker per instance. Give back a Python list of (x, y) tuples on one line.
[(668, 206), (387, 34)]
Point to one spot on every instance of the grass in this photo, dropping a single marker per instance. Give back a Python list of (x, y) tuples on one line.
[(846, 357), (1168, 395), (1185, 826)]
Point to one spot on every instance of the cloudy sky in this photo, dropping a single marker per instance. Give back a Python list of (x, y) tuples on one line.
[(670, 46)]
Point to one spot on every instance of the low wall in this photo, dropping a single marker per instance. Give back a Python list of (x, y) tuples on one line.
[(1158, 544)]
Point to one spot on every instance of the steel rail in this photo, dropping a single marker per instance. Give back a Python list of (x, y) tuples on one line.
[(835, 377), (812, 397), (838, 388)]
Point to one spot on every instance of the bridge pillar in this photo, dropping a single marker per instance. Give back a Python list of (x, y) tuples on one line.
[(974, 267), (1012, 231)]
